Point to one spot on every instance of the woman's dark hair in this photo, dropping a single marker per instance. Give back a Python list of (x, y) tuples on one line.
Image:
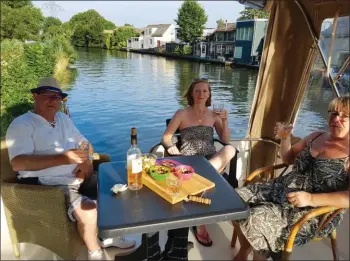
[(189, 96)]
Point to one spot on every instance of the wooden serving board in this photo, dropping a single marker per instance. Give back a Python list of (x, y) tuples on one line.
[(196, 184)]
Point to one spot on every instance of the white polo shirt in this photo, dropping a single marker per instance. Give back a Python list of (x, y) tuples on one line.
[(31, 134)]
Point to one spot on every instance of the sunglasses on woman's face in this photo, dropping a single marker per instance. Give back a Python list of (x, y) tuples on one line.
[(341, 115), (200, 79)]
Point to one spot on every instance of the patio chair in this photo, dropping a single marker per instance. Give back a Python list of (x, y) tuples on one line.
[(176, 139), (327, 213), (37, 214)]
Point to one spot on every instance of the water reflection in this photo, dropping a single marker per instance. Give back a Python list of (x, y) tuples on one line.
[(115, 91)]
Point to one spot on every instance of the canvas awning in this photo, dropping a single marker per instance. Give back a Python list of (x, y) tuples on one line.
[(288, 56)]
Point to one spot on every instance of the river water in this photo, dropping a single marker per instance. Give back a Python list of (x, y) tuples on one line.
[(114, 91)]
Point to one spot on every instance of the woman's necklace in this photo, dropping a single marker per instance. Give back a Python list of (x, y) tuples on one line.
[(200, 115)]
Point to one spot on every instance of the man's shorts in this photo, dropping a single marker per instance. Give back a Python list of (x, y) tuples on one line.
[(74, 194)]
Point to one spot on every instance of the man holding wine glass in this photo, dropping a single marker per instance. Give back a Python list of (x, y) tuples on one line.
[(45, 148)]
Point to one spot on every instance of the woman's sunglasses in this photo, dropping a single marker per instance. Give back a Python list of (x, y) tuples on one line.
[(342, 115), (200, 79)]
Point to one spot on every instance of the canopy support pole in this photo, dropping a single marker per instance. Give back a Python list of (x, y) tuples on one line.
[(317, 43)]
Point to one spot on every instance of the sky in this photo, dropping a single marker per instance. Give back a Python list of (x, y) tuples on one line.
[(139, 13)]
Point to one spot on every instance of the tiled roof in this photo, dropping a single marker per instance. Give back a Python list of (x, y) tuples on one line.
[(139, 30), (161, 28), (226, 27)]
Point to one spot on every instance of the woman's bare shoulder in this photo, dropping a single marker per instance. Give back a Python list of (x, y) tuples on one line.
[(314, 135), (180, 113)]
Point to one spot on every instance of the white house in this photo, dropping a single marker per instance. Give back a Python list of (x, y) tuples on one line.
[(206, 32), (155, 35), (341, 42)]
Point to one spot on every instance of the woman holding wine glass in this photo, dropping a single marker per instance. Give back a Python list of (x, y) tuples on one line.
[(319, 177), (196, 123)]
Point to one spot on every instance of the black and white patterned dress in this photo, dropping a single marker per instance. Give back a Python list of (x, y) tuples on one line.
[(198, 140), (272, 216)]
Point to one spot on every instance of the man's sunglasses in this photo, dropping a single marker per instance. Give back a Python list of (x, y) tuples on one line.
[(50, 96)]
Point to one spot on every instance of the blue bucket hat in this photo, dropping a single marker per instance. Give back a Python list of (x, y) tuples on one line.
[(49, 84)]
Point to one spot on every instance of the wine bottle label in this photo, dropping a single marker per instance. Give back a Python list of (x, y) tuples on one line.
[(136, 165)]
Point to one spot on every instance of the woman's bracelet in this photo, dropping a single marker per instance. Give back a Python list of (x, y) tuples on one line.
[(285, 137)]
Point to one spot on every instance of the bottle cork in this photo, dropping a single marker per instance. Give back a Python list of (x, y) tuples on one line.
[(201, 200)]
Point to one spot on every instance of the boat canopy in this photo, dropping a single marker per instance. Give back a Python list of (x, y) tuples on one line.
[(290, 49)]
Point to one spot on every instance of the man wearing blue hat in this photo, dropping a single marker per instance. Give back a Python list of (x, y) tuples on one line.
[(42, 149)]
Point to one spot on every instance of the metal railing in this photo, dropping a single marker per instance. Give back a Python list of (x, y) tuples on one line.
[(249, 149)]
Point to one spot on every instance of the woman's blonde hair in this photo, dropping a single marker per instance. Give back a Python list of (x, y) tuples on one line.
[(189, 96), (340, 104)]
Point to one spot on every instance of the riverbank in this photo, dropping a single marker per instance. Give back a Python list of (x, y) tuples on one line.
[(188, 58)]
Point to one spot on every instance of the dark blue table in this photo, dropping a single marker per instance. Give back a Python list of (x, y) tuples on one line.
[(143, 211)]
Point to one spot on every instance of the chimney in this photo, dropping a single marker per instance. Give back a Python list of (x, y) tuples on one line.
[(226, 25)]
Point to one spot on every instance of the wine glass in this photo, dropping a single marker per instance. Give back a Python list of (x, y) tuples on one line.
[(86, 147), (282, 130), (218, 108), (174, 184)]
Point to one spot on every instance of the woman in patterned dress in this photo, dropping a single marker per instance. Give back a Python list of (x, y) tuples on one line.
[(196, 123), (320, 177)]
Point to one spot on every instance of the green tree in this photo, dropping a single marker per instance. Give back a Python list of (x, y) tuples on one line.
[(23, 23), (88, 28), (51, 22), (191, 19), (108, 25), (129, 25), (107, 40), (220, 23), (122, 34), (17, 3), (250, 13)]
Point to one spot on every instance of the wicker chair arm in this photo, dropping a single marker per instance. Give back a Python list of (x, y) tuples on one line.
[(297, 226), (262, 170), (44, 205), (100, 158)]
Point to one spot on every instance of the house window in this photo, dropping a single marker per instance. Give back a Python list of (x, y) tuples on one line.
[(238, 52), (244, 36), (218, 48), (228, 49), (250, 33), (247, 34), (241, 34), (231, 36), (150, 41)]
